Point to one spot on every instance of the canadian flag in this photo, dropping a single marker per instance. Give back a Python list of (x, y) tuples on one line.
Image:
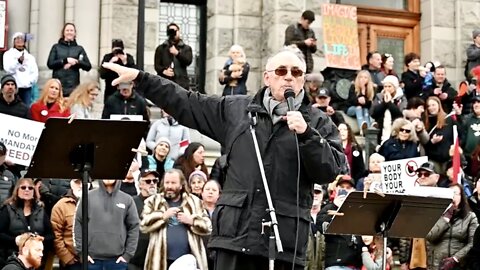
[(456, 157)]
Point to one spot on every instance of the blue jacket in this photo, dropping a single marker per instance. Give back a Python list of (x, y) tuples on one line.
[(394, 149)]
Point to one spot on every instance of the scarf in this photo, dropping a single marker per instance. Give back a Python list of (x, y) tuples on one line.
[(277, 109), (419, 254), (348, 153)]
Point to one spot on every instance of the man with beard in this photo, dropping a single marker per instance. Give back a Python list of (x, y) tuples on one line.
[(112, 227), (62, 220), (10, 102), (23, 66), (148, 186), (176, 221), (30, 253)]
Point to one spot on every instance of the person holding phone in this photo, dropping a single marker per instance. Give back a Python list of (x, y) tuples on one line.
[(117, 56), (303, 37)]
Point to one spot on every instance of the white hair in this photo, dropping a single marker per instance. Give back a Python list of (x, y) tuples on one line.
[(238, 48), (286, 53)]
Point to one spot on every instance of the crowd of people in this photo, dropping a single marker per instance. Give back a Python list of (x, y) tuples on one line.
[(170, 212)]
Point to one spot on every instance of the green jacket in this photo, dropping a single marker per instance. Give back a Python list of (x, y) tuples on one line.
[(315, 259)]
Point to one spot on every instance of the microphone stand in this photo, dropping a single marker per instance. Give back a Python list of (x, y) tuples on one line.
[(273, 224)]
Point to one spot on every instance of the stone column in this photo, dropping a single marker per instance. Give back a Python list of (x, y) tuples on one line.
[(219, 41), (18, 18), (86, 15), (51, 20)]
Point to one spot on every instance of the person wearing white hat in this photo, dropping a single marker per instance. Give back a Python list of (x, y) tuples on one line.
[(388, 106), (19, 63)]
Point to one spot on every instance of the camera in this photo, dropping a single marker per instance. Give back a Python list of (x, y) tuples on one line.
[(171, 33), (118, 51)]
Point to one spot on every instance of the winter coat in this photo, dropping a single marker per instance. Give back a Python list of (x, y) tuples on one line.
[(170, 129), (138, 258), (155, 225), (413, 84), (394, 149), (62, 219), (57, 58), (241, 87), (352, 100), (447, 104), (453, 239), (13, 223), (133, 105), (40, 112), (473, 57), (110, 75), (470, 132), (15, 108), (296, 35), (315, 258), (379, 107), (226, 120), (164, 60), (25, 73), (7, 182), (439, 152)]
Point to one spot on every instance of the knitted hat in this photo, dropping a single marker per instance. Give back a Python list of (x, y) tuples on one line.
[(391, 79), (18, 34), (8, 78), (476, 33), (197, 173), (165, 140)]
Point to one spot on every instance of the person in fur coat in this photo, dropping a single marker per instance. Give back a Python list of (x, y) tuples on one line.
[(177, 214)]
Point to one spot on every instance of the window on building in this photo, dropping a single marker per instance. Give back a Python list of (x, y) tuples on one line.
[(403, 4)]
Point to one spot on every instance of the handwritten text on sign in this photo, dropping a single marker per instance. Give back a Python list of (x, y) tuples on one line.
[(20, 136), (340, 36), (399, 176)]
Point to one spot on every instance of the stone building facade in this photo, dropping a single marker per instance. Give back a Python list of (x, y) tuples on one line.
[(258, 26)]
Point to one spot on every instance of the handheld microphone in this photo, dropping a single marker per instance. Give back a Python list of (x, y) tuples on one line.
[(289, 95)]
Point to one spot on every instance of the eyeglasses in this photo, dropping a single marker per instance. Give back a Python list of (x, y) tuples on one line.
[(426, 174), (405, 130), (282, 71), (150, 181), (26, 187)]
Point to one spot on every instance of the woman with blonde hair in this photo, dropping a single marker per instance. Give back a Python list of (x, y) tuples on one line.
[(50, 103), (234, 74), (82, 98), (440, 129), (403, 142), (360, 99)]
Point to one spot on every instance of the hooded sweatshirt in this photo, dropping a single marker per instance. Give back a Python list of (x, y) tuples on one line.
[(13, 263), (113, 224)]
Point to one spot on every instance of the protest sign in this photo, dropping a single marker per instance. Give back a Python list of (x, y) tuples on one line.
[(21, 138), (399, 176), (340, 36)]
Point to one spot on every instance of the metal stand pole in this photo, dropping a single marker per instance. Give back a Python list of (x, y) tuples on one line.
[(275, 235), (86, 170)]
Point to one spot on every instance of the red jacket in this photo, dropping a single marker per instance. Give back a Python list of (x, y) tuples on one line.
[(40, 112)]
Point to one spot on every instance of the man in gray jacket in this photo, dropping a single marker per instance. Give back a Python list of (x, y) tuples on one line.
[(473, 53), (113, 227)]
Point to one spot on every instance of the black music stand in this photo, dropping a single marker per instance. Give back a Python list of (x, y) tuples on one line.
[(80, 149), (390, 216)]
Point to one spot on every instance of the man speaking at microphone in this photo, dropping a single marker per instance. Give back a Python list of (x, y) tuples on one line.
[(237, 220)]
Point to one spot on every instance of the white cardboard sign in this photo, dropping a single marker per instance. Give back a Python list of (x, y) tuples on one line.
[(20, 136), (399, 176)]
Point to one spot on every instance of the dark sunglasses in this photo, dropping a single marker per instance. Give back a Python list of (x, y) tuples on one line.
[(150, 181), (317, 191), (426, 174), (405, 130), (26, 187), (282, 71)]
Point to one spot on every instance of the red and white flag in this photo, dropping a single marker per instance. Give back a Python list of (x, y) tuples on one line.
[(457, 178)]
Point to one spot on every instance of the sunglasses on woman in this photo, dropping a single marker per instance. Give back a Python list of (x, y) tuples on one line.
[(405, 130), (26, 187), (282, 71)]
